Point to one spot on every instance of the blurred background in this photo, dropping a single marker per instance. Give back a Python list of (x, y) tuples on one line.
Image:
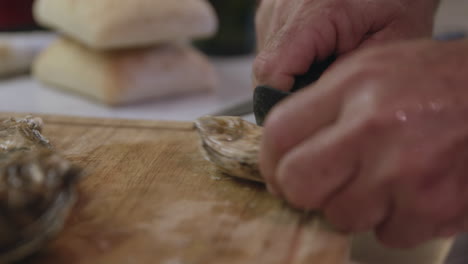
[(236, 33), (16, 15), (231, 51)]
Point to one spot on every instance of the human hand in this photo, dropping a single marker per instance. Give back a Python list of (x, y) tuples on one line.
[(293, 34), (379, 142)]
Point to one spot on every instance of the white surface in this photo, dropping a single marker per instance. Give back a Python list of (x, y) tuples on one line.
[(452, 16), (23, 94)]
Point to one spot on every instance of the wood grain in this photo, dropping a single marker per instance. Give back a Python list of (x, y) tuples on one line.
[(150, 197)]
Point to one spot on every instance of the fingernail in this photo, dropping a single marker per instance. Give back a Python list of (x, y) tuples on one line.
[(272, 190)]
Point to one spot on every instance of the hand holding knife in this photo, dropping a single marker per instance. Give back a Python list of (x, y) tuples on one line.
[(265, 97)]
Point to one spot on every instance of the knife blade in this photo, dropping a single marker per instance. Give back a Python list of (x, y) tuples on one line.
[(239, 109)]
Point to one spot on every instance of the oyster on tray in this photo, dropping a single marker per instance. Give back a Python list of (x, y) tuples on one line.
[(36, 188)]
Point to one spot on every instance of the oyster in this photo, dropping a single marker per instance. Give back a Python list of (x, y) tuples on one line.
[(232, 144), (36, 188)]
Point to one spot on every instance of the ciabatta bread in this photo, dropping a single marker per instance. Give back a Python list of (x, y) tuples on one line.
[(125, 76), (111, 24)]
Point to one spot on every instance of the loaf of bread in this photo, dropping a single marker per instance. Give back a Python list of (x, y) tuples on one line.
[(125, 76), (110, 24)]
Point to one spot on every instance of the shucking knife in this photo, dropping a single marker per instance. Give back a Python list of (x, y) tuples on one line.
[(266, 97)]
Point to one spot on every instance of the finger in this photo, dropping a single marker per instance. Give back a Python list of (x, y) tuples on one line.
[(404, 229), (365, 202), (265, 25), (292, 121), (421, 207), (448, 230), (362, 205), (292, 49), (319, 167), (264, 21)]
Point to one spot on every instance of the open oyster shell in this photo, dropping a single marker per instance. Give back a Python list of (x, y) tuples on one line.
[(232, 144), (36, 188)]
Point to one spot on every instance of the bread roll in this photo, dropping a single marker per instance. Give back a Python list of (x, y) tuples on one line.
[(125, 76), (110, 24)]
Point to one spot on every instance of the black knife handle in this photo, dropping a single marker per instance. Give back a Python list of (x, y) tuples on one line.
[(265, 97), (313, 74)]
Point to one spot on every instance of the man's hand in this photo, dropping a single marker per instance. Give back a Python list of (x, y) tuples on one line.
[(293, 34), (380, 142)]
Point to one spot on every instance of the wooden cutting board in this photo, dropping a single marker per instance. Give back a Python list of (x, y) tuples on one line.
[(150, 197)]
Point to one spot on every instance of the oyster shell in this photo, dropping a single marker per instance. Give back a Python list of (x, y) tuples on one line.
[(36, 188), (232, 144)]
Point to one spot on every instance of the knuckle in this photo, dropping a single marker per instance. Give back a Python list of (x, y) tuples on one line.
[(374, 123), (326, 12), (367, 69), (361, 79), (369, 65), (375, 56), (262, 68)]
